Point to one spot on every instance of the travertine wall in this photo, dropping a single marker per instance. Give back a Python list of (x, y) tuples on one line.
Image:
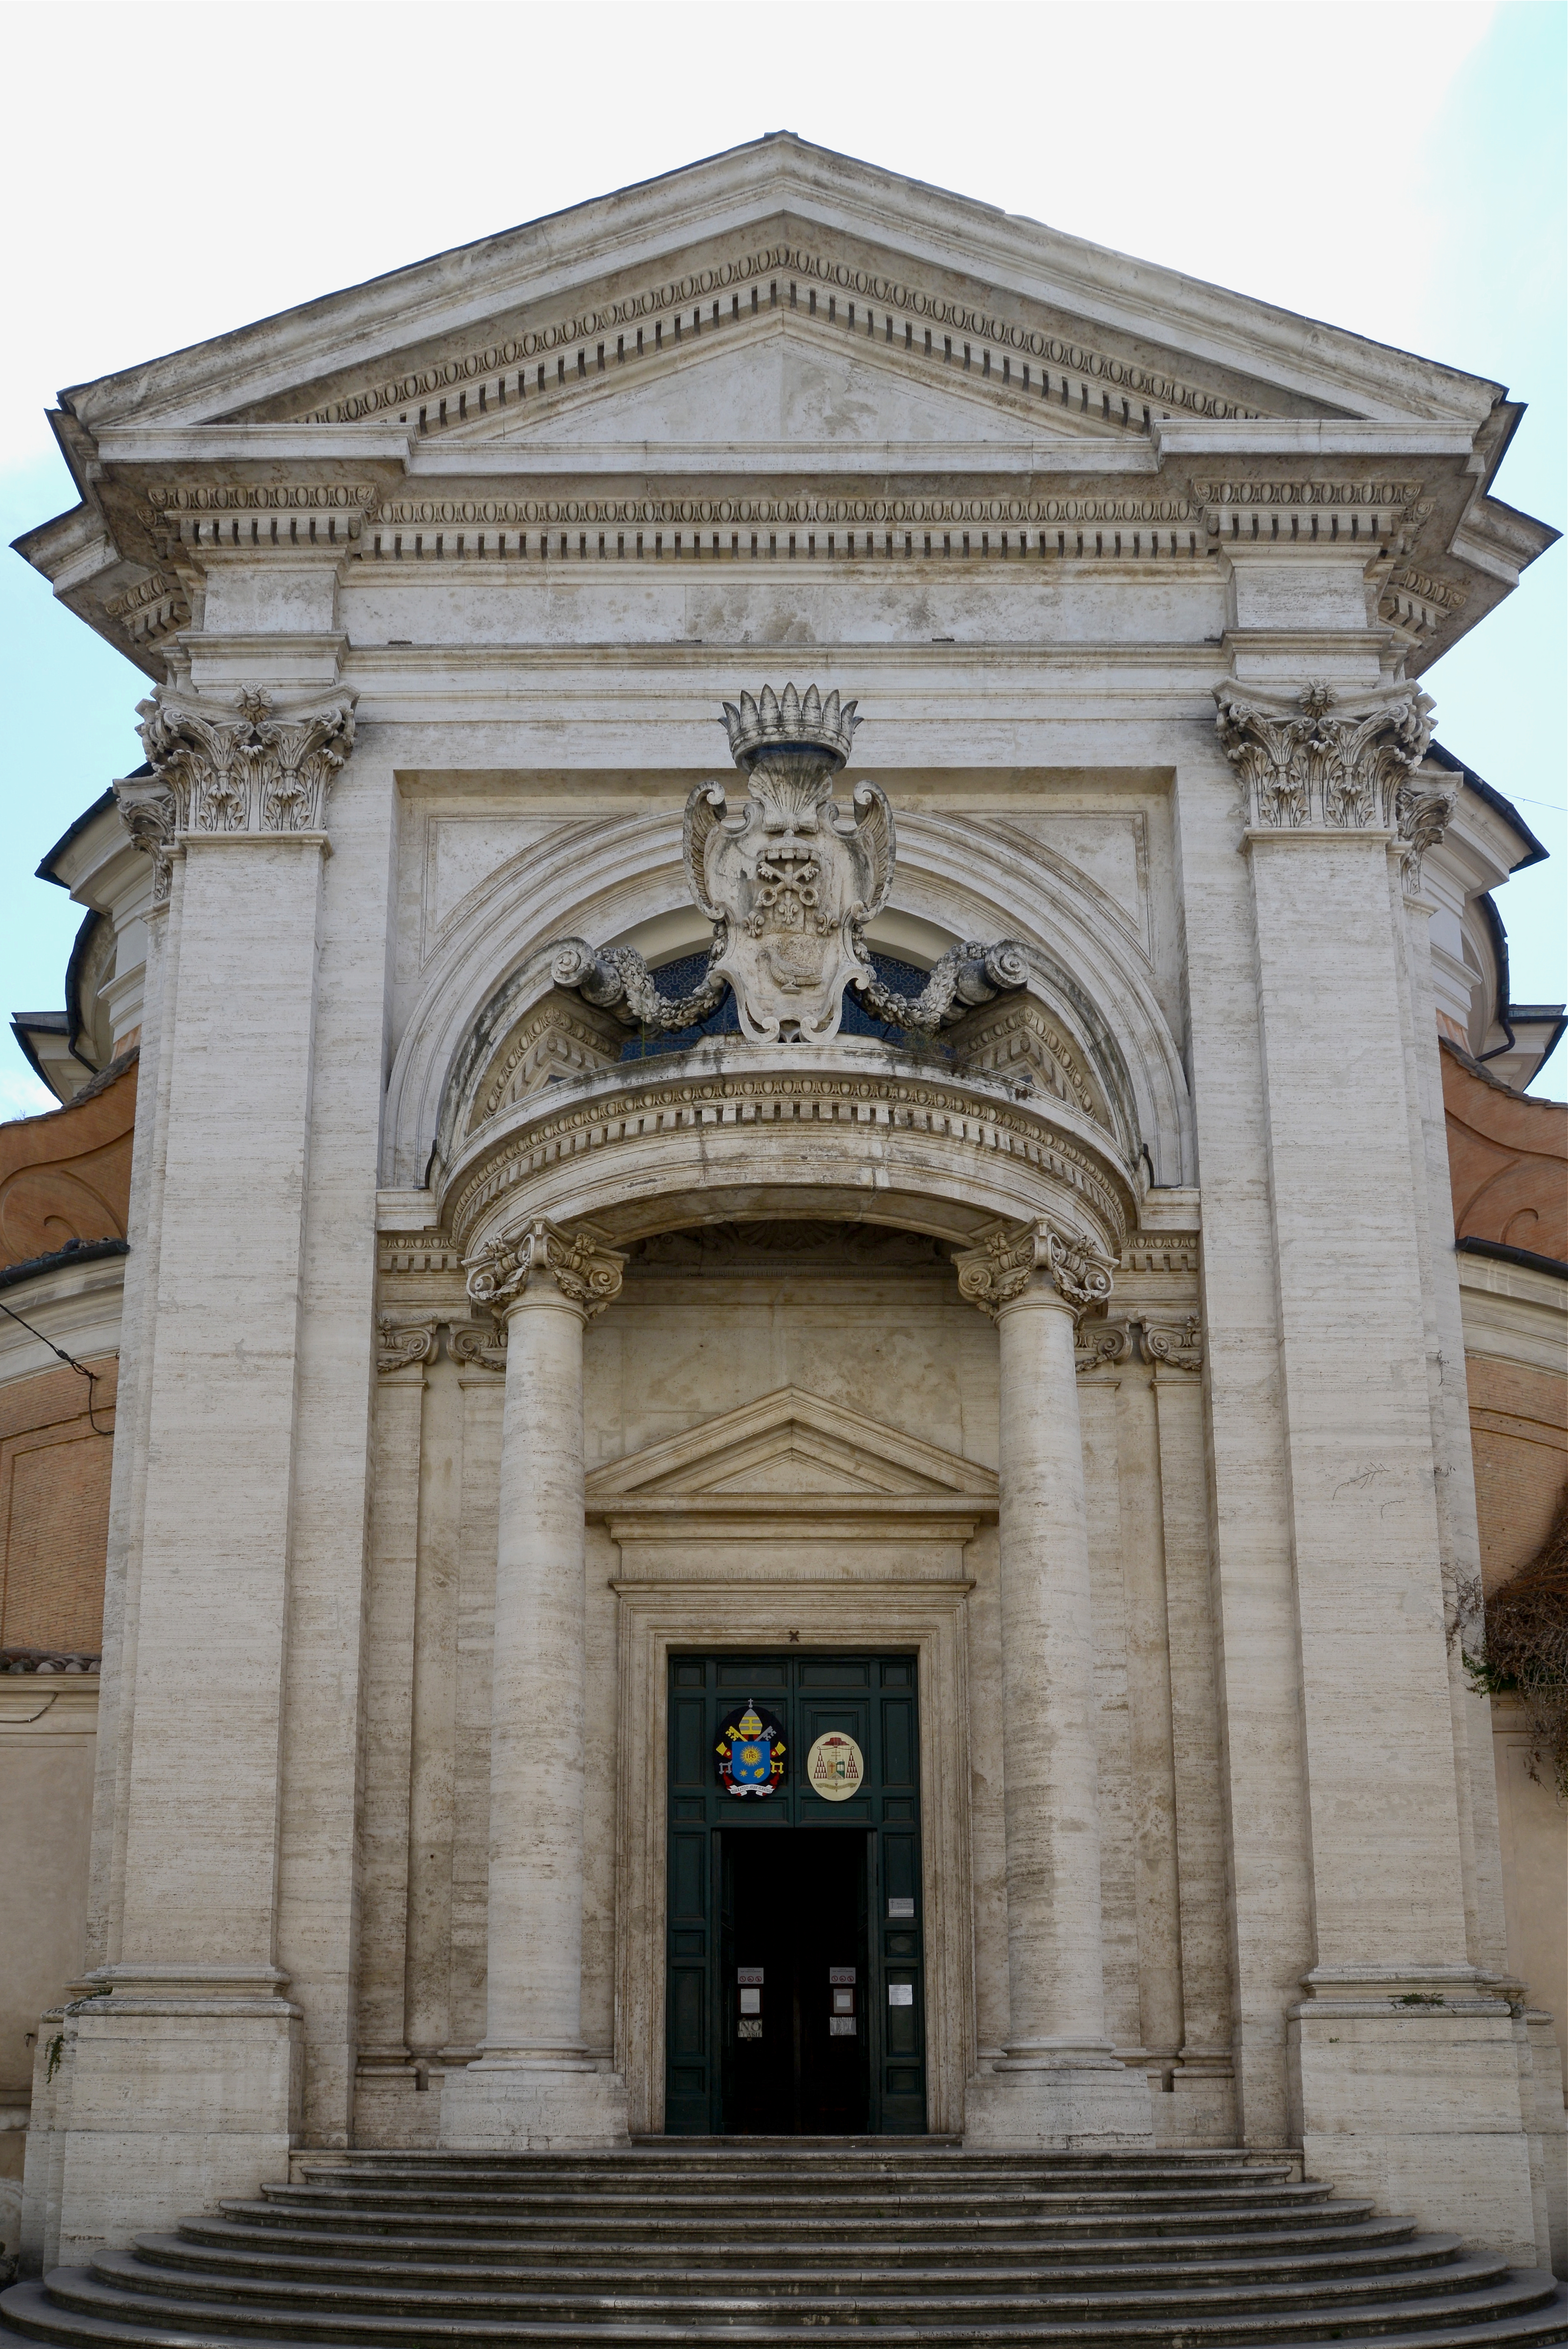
[(703, 1326)]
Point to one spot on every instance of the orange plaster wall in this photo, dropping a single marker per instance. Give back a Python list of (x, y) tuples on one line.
[(1518, 1441), (53, 1509), (67, 1176), (1507, 1161)]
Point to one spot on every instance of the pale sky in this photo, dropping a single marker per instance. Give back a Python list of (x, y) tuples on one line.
[(1394, 165)]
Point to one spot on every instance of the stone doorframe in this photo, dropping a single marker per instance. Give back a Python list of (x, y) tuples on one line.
[(679, 1589)]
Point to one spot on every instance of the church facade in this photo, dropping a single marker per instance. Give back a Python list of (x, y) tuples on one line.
[(792, 1449)]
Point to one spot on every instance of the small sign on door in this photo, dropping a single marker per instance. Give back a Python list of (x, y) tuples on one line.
[(900, 1993)]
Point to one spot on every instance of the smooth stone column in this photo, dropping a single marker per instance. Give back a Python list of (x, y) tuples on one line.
[(186, 2078), (534, 2084), (1403, 2074), (1059, 2082)]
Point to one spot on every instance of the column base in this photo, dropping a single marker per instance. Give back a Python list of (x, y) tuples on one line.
[(1408, 2090), (179, 2088), (521, 2106), (1067, 2104)]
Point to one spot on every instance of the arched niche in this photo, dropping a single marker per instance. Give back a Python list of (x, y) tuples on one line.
[(1093, 1029)]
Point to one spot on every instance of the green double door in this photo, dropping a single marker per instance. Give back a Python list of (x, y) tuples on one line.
[(795, 1979)]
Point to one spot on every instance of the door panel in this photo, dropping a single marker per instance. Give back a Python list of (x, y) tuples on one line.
[(742, 1868)]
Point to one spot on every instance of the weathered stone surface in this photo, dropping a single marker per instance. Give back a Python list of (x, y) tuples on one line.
[(488, 1337)]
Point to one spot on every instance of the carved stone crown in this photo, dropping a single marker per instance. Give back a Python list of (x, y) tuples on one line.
[(762, 729)]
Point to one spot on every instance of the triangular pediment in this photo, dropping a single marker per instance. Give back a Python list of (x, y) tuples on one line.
[(790, 1445), (767, 308)]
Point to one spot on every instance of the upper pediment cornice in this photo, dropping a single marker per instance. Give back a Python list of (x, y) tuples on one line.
[(909, 233)]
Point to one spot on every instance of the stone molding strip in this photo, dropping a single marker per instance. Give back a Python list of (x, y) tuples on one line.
[(568, 351), (768, 1100)]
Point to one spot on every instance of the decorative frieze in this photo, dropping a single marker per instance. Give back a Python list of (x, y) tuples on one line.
[(1005, 1265), (1016, 1041), (568, 351), (875, 1104), (403, 1345), (1311, 764), (554, 1043), (256, 516), (149, 611), (252, 769), (478, 1346), (581, 1263), (1418, 603), (1178, 1344), (1102, 1344)]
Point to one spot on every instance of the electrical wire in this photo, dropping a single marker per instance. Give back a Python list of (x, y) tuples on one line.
[(69, 1359)]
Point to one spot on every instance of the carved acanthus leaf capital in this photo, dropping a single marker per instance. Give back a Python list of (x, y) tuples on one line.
[(147, 806), (402, 1345), (1011, 1260), (1311, 763), (580, 1263), (249, 767), (1424, 810)]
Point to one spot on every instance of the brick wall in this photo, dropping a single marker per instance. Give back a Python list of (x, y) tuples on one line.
[(54, 1509)]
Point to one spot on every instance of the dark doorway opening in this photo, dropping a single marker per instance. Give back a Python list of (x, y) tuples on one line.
[(793, 1957)]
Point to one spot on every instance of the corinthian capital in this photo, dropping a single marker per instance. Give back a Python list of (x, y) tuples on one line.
[(1011, 1260), (580, 1264), (1422, 813), (1310, 762), (250, 768), (147, 807)]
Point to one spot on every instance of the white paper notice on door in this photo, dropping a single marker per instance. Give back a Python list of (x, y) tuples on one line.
[(900, 1993)]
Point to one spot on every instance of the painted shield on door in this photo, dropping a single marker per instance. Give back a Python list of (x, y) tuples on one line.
[(750, 1752)]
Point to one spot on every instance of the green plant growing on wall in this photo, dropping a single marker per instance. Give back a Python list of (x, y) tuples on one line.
[(1515, 1643)]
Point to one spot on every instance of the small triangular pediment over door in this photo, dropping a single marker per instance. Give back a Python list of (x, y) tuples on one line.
[(792, 1453)]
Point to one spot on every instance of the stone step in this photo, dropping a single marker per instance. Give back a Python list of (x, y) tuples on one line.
[(1380, 2260), (866, 2204), (767, 2154), (218, 2239), (77, 2309), (704, 2221), (591, 2252), (564, 2293)]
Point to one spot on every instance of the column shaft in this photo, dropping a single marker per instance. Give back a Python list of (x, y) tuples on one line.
[(1052, 1815), (1058, 2082), (535, 1937), (534, 2084)]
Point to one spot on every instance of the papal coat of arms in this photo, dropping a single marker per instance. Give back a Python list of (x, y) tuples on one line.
[(751, 1751), (789, 883)]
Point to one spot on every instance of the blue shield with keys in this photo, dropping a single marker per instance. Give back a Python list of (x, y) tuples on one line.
[(750, 1753)]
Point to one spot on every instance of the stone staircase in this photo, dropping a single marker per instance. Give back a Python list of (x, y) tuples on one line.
[(778, 2240)]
